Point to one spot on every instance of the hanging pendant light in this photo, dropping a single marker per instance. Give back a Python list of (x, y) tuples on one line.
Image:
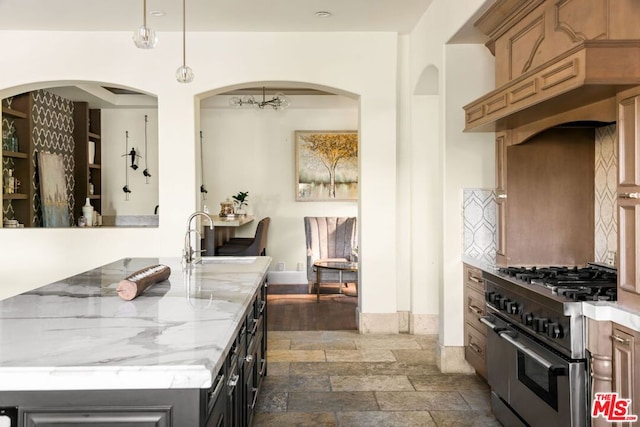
[(145, 37), (184, 74)]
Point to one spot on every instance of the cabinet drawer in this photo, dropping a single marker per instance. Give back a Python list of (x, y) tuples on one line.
[(473, 278), (475, 346), (474, 309)]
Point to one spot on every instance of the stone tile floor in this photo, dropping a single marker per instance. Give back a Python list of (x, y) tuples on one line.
[(343, 378)]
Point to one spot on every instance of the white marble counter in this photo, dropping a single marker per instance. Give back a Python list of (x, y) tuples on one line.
[(605, 311), (77, 334)]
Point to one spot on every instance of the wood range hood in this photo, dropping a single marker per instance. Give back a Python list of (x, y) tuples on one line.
[(565, 58)]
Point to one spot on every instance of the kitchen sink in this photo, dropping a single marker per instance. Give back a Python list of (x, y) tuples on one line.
[(226, 260)]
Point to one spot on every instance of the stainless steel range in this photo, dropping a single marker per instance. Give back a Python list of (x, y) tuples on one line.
[(537, 363)]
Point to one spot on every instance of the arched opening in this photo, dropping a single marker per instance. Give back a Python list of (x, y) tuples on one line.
[(251, 149), (80, 129)]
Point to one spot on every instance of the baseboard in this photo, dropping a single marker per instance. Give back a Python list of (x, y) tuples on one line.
[(287, 277), (279, 289), (451, 360)]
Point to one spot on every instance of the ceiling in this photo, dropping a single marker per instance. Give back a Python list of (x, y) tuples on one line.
[(213, 15), (399, 16)]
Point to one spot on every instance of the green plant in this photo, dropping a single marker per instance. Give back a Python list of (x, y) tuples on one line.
[(240, 199)]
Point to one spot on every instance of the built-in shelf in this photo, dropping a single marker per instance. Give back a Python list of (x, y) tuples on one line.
[(14, 196), (95, 197), (92, 135), (13, 113), (94, 166), (14, 154)]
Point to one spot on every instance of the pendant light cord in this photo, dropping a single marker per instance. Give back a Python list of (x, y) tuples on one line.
[(184, 34), (144, 13)]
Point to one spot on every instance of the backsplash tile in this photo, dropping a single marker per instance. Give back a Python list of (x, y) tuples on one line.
[(606, 162), (479, 219)]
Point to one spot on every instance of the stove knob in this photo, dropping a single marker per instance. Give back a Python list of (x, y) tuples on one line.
[(495, 299), (554, 330), (503, 303), (540, 324), (513, 307), (527, 319), (488, 295)]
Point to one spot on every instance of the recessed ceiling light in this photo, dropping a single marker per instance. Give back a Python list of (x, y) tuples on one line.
[(156, 13), (323, 14)]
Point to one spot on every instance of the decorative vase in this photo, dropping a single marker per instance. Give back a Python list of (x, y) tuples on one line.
[(87, 212)]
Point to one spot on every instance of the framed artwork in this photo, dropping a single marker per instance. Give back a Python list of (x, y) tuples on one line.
[(326, 165), (53, 190)]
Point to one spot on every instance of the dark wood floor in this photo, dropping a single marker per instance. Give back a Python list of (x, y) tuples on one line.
[(301, 312)]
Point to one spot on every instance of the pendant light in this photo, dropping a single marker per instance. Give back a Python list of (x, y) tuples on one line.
[(184, 74), (145, 37)]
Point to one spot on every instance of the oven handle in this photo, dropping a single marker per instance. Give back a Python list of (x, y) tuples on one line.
[(485, 320), (558, 370)]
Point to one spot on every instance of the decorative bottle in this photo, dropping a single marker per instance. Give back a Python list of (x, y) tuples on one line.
[(9, 183), (87, 212)]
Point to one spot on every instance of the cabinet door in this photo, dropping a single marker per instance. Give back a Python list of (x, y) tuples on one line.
[(629, 199), (625, 366), (501, 198)]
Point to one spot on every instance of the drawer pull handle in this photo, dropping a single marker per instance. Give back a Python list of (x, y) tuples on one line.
[(475, 348), (501, 196), (475, 279), (621, 340), (233, 381), (630, 195), (475, 309)]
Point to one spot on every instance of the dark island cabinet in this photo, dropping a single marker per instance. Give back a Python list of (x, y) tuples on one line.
[(229, 402)]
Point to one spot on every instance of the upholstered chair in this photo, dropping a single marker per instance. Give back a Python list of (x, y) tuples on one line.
[(330, 239)]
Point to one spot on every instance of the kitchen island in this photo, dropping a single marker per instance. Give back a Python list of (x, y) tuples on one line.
[(190, 351)]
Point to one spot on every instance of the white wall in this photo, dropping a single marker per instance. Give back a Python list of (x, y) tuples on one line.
[(253, 150), (363, 64), (463, 160), (144, 196)]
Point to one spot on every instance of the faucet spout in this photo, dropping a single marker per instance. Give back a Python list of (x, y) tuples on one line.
[(189, 252)]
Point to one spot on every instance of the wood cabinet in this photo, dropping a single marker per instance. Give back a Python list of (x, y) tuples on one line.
[(502, 139), (475, 332), (19, 204), (87, 157), (629, 198), (626, 365)]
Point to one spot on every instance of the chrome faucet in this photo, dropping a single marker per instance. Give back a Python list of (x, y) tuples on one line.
[(189, 252)]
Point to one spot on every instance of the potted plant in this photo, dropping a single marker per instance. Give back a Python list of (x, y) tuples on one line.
[(240, 200)]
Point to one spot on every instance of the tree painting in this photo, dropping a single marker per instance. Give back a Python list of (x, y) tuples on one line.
[(327, 165)]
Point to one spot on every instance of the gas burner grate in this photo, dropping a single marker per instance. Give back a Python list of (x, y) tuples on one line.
[(588, 283)]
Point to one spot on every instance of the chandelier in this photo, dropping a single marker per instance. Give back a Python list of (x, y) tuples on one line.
[(278, 102)]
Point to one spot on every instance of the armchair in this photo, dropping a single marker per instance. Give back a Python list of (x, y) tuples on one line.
[(330, 239)]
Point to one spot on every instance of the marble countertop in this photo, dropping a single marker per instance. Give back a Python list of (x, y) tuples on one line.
[(603, 311), (77, 334)]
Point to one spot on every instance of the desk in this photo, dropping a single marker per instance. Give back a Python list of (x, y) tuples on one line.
[(339, 266), (224, 228)]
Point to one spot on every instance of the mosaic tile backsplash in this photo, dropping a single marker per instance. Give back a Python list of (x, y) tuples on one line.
[(479, 219), (606, 180)]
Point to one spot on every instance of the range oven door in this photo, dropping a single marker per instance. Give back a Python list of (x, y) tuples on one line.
[(540, 386)]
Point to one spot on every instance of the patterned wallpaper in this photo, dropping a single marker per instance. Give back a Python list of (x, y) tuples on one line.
[(606, 180), (479, 221)]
